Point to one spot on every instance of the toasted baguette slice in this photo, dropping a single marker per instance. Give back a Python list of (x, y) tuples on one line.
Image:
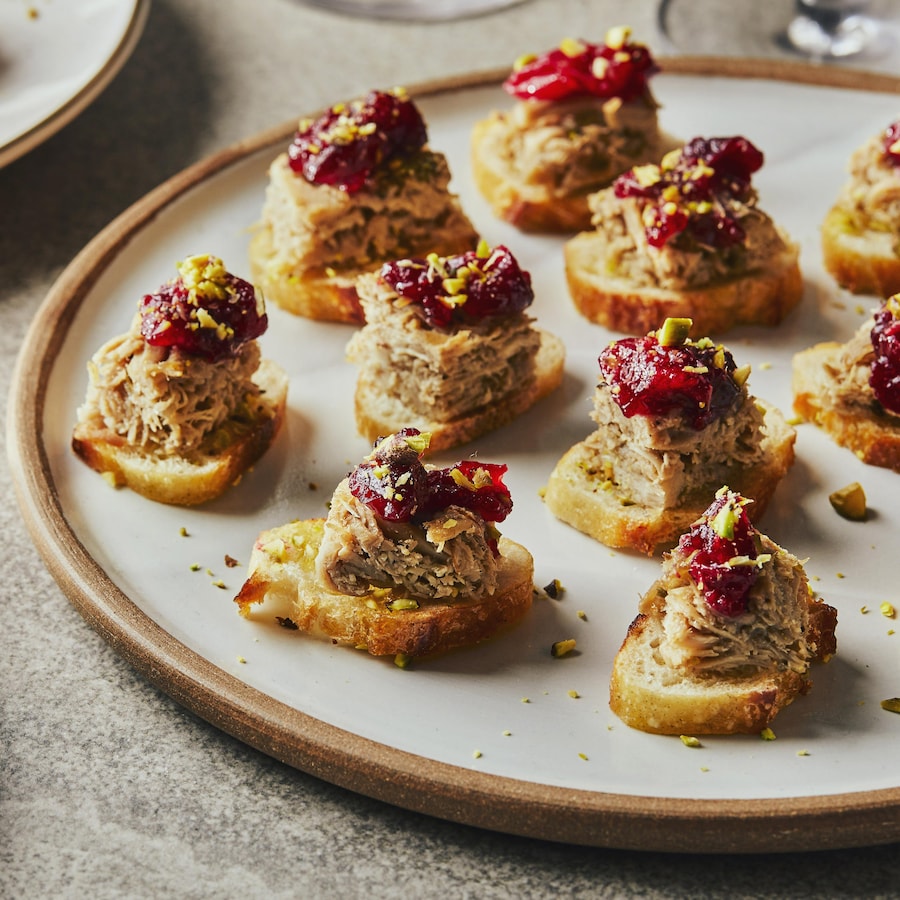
[(577, 496), (378, 414), (282, 572), (225, 455), (863, 262), (872, 434), (761, 297), (650, 696)]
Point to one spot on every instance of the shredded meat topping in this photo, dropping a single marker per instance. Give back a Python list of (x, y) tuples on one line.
[(658, 461), (575, 146), (628, 255), (161, 400), (407, 208), (871, 196), (772, 634), (489, 358), (446, 557)]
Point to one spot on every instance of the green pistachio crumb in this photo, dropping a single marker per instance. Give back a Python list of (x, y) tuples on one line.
[(241, 660), (690, 741), (183, 531), (562, 648), (674, 332), (887, 610), (402, 660), (195, 567), (507, 733), (573, 694), (582, 756), (582, 615), (803, 753), (476, 754), (849, 502), (219, 584), (767, 734)]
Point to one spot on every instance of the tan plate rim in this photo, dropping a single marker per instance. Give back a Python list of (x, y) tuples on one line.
[(341, 757)]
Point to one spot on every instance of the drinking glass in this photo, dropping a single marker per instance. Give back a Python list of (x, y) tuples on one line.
[(852, 31), (416, 10)]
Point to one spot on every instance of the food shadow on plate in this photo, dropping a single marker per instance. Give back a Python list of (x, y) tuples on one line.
[(280, 474)]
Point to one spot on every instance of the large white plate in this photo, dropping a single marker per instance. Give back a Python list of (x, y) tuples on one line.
[(556, 766), (55, 58)]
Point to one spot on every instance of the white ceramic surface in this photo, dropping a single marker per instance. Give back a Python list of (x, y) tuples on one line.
[(55, 58), (837, 739)]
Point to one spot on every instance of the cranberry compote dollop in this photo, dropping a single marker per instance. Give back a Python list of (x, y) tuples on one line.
[(616, 68), (885, 375), (722, 547), (468, 286), (395, 485), (206, 311), (689, 192), (693, 380), (891, 143), (351, 141)]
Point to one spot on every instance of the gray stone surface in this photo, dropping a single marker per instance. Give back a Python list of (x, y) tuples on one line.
[(107, 787)]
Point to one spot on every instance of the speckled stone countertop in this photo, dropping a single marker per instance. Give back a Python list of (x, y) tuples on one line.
[(108, 788)]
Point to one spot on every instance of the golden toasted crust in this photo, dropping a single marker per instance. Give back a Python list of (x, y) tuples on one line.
[(378, 414), (282, 573), (762, 297), (577, 497), (647, 695), (208, 473), (874, 436), (862, 262)]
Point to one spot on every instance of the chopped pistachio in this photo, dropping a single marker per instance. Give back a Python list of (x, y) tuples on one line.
[(402, 660), (573, 694), (849, 502), (767, 734), (887, 610), (402, 603), (183, 531), (674, 331), (690, 741), (582, 756), (561, 648), (476, 754), (891, 705)]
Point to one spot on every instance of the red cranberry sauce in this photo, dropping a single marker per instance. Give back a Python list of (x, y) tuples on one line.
[(395, 485), (687, 194), (891, 143), (206, 311), (723, 547), (694, 380), (616, 68), (454, 289), (885, 376), (349, 143)]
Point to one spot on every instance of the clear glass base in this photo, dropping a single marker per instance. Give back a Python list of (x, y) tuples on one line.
[(849, 37), (413, 10)]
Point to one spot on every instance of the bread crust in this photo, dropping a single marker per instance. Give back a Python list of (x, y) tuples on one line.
[(698, 704), (378, 414), (872, 434), (863, 262), (282, 571), (761, 297), (577, 497), (207, 473)]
